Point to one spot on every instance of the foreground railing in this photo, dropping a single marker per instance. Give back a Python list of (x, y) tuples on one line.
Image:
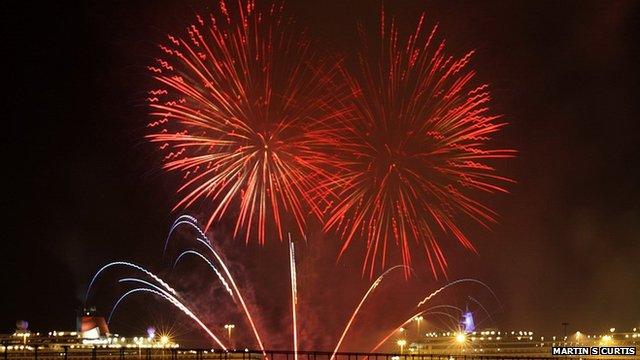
[(134, 353)]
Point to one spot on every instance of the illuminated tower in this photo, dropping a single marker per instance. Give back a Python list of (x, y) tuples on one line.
[(467, 321)]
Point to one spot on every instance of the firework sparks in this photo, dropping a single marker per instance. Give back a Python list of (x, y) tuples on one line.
[(416, 151), (373, 286), (193, 223), (428, 311), (455, 282), (165, 291), (294, 295), (211, 266), (243, 112), (157, 286), (130, 265), (173, 300)]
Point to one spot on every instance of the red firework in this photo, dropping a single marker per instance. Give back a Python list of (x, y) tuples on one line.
[(244, 112), (417, 150)]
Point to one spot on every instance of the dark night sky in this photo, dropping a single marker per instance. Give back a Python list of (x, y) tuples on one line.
[(82, 187)]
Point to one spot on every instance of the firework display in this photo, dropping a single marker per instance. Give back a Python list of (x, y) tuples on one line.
[(416, 150), (390, 153), (321, 180), (390, 149), (143, 281), (243, 112)]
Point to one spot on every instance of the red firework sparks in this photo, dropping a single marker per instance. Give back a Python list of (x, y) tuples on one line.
[(244, 112), (417, 149)]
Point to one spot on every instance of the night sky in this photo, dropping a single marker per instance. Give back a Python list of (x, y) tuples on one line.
[(82, 187)]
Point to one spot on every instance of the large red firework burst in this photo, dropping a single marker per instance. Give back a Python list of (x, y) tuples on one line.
[(243, 112), (417, 150)]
